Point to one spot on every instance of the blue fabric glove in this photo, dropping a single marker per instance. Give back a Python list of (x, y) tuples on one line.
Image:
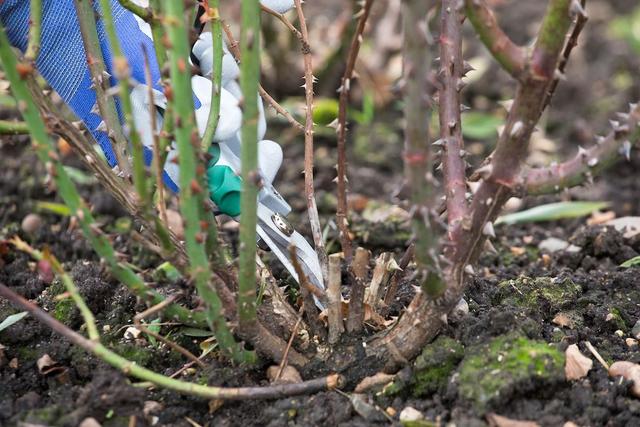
[(63, 64)]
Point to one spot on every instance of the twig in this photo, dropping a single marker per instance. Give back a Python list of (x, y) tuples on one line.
[(233, 48), (35, 30), (334, 299), (294, 331), (13, 127), (358, 274), (312, 208), (581, 20), (330, 382), (157, 165), (212, 14), (137, 321), (587, 163), (595, 353), (511, 56), (282, 18), (450, 78), (381, 273), (100, 78), (345, 86), (308, 292)]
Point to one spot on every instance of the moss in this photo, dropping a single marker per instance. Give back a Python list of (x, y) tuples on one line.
[(64, 311), (434, 365), (615, 318), (507, 364), (27, 353), (529, 293), (141, 356), (418, 423), (49, 415)]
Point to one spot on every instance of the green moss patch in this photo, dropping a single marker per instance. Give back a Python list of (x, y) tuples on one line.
[(435, 364), (531, 293), (506, 365)]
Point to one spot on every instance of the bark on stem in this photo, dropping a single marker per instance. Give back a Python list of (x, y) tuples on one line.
[(587, 163), (35, 30), (312, 208), (358, 274), (510, 56), (450, 79), (345, 88)]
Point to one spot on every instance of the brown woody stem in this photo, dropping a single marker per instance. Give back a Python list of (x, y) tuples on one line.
[(509, 55), (450, 78), (345, 86)]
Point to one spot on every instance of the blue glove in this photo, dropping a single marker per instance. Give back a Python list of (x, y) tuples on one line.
[(63, 64)]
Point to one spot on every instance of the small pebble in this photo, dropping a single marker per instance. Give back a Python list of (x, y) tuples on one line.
[(619, 333), (635, 331), (31, 223), (631, 342)]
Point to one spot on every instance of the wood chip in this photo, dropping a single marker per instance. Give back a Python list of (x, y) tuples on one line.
[(576, 365), (377, 380), (289, 375), (496, 420)]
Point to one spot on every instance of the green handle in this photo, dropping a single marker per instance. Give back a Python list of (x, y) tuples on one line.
[(224, 185)]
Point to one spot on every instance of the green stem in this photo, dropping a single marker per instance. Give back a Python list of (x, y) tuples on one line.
[(192, 190), (46, 152), (106, 104), (35, 19), (249, 80), (11, 127), (216, 78), (123, 73)]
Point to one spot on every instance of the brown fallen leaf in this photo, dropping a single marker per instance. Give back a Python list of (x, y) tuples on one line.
[(47, 366), (174, 221), (496, 420), (289, 375), (576, 365), (629, 371), (563, 320), (377, 380)]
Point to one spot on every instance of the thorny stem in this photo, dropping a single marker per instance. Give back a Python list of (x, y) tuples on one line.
[(233, 48), (46, 152), (334, 299), (213, 14), (587, 163), (192, 191), (307, 291), (249, 78), (358, 275), (417, 153), (100, 78), (128, 367), (13, 127), (285, 21), (312, 208), (500, 177), (345, 86), (512, 57), (450, 79), (35, 30), (123, 74)]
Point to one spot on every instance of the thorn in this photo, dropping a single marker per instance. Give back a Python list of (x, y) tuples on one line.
[(625, 150), (95, 109), (581, 151), (488, 230), (469, 270), (614, 124), (506, 104), (438, 142), (623, 116), (439, 167), (452, 124), (600, 139), (466, 67), (463, 153), (488, 246), (102, 127), (106, 75), (632, 106), (559, 75), (593, 162), (460, 85), (485, 171), (516, 129), (464, 108), (577, 9)]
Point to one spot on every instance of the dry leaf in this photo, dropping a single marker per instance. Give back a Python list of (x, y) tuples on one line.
[(174, 221), (379, 379), (46, 364), (496, 420), (563, 320), (90, 422), (629, 371), (517, 250), (215, 404), (576, 365), (290, 375), (601, 217)]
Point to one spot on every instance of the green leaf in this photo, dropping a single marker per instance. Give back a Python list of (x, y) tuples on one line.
[(80, 177), (167, 271), (153, 326), (10, 320), (325, 111), (633, 262), (195, 332), (477, 125), (552, 212), (56, 208)]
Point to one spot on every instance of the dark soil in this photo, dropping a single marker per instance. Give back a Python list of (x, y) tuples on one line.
[(514, 299)]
